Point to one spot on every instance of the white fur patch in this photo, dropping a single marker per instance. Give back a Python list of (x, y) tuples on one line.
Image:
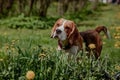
[(59, 48), (54, 34), (73, 50), (62, 36), (108, 33)]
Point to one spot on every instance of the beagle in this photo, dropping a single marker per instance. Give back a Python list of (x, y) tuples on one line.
[(69, 38)]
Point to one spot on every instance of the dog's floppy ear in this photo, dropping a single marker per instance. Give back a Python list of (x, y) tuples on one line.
[(73, 28), (72, 34)]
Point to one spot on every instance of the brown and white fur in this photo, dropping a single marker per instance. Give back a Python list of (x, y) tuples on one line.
[(93, 37), (69, 38)]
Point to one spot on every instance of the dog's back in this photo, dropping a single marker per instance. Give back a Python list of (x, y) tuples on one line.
[(89, 36), (92, 36)]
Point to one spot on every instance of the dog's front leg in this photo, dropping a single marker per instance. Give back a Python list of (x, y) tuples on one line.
[(59, 46)]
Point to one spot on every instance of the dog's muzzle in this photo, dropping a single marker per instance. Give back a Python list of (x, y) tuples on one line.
[(58, 31)]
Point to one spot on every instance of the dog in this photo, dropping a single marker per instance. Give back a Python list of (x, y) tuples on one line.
[(93, 37), (69, 38)]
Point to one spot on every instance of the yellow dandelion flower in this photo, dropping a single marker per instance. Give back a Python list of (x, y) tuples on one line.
[(42, 55), (117, 45), (44, 48), (117, 67), (6, 47), (112, 27), (5, 34), (104, 37), (117, 28), (1, 60), (49, 69), (91, 46), (114, 34), (118, 34), (13, 41), (11, 45), (104, 42), (1, 50), (117, 37), (34, 48), (112, 73), (30, 75), (13, 49), (118, 42), (17, 40), (118, 15), (86, 52)]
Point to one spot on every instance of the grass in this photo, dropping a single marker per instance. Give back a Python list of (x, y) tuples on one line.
[(22, 50)]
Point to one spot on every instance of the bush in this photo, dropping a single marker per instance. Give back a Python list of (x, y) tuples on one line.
[(27, 22)]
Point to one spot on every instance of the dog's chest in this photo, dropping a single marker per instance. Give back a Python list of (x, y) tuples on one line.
[(73, 50)]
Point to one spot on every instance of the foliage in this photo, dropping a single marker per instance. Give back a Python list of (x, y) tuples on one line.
[(47, 63), (33, 22), (27, 22)]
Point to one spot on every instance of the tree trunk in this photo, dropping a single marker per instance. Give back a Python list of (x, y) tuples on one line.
[(82, 4), (9, 4), (44, 4), (21, 6), (1, 6), (78, 5), (63, 6), (95, 4), (31, 6), (5, 6)]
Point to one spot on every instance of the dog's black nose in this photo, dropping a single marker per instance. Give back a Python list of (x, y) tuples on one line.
[(58, 31)]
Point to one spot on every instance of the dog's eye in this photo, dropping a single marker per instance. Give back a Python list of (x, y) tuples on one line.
[(67, 27), (58, 25)]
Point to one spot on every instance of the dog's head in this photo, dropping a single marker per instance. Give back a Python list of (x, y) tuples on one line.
[(63, 29)]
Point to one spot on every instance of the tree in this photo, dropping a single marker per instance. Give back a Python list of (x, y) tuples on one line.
[(5, 6), (1, 6), (95, 4), (44, 4), (63, 6), (78, 5), (31, 6)]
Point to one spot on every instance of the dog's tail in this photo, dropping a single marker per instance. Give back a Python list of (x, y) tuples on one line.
[(104, 29)]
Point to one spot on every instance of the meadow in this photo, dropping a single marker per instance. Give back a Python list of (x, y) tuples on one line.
[(30, 48)]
